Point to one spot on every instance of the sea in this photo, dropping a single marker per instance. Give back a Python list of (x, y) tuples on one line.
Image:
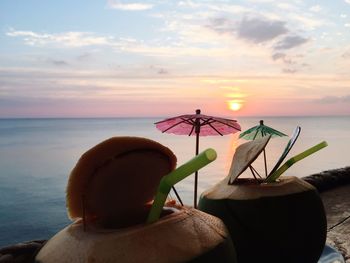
[(37, 155)]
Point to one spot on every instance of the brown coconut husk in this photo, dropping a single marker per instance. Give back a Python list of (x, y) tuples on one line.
[(115, 181), (186, 235)]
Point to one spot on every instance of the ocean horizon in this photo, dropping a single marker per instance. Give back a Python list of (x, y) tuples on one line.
[(161, 117), (37, 155)]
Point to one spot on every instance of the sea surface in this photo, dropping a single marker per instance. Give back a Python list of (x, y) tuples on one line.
[(37, 155)]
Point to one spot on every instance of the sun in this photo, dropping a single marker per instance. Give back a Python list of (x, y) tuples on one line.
[(234, 105)]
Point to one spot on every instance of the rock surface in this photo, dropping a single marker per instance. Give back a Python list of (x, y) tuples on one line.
[(334, 187), (21, 252)]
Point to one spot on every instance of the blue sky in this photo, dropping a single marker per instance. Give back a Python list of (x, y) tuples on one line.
[(150, 58)]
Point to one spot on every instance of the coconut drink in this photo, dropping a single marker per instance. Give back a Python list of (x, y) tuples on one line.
[(273, 219), (110, 195)]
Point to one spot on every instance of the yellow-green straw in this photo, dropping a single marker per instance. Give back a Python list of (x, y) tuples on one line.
[(176, 176), (293, 160)]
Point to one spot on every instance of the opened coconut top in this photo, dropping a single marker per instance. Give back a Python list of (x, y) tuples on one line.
[(115, 181), (245, 155), (247, 189)]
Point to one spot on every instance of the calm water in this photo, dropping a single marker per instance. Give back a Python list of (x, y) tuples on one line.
[(36, 156)]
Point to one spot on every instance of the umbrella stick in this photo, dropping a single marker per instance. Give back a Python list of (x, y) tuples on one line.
[(196, 173), (177, 195), (195, 189), (255, 171), (252, 170), (265, 163)]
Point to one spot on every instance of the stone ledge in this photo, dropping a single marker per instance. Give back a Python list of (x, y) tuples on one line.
[(329, 179), (334, 188), (21, 252)]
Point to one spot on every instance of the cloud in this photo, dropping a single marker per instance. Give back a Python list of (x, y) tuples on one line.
[(162, 71), (278, 56), (256, 29), (129, 6), (346, 55), (57, 62), (149, 48), (188, 3), (289, 70), (65, 83), (286, 6), (68, 39), (283, 57), (315, 8), (221, 25), (215, 6), (84, 56), (333, 99), (259, 30), (290, 42), (347, 1)]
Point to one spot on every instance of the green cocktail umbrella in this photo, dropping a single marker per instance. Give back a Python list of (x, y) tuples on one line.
[(260, 131)]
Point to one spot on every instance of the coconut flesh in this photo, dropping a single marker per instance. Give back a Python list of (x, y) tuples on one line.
[(109, 194), (276, 222)]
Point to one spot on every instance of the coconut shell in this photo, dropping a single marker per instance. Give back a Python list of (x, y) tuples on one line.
[(245, 155), (186, 235), (277, 222), (115, 180)]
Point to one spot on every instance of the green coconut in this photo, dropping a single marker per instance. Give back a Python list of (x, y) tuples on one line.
[(276, 222), (185, 235)]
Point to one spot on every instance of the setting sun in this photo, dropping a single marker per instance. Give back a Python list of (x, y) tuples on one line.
[(234, 105)]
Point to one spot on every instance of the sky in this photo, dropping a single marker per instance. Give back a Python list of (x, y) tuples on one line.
[(113, 58)]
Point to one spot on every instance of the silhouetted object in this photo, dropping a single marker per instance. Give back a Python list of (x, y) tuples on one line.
[(198, 125), (260, 131)]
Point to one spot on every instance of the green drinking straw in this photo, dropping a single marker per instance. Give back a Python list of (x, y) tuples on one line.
[(176, 176), (273, 177)]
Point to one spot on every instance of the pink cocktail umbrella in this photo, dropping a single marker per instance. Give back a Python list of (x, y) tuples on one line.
[(198, 125)]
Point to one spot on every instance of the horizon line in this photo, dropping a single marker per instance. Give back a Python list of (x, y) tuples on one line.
[(163, 117)]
